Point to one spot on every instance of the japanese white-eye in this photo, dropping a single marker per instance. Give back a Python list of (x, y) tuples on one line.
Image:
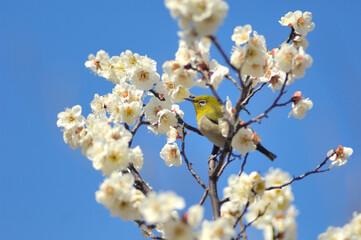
[(208, 112)]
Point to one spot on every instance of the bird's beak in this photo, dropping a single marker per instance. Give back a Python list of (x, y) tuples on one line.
[(190, 98)]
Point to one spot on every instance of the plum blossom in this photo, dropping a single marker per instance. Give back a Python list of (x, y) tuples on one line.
[(339, 156), (300, 105)]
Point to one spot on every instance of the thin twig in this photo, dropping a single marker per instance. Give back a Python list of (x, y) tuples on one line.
[(316, 170), (189, 165), (291, 36), (229, 76), (246, 100), (189, 127), (243, 212), (274, 104), (224, 200), (218, 46), (139, 184), (150, 234), (260, 214), (136, 127), (243, 232), (204, 197), (224, 165), (156, 94), (243, 164)]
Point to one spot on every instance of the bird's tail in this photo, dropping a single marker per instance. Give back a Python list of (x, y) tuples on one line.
[(265, 152)]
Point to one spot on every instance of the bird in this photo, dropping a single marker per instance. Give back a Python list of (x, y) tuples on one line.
[(208, 112)]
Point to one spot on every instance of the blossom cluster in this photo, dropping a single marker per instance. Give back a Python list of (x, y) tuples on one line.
[(242, 190), (279, 214), (106, 145), (271, 210), (351, 230), (284, 64), (197, 18), (142, 96)]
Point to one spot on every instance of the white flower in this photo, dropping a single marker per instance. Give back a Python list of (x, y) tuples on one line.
[(173, 134), (256, 50), (284, 57), (128, 93), (166, 119), (218, 72), (144, 75), (238, 189), (71, 118), (183, 77), (230, 211), (118, 133), (219, 229), (339, 156), (184, 55), (153, 107), (241, 34), (119, 73), (170, 90), (171, 155), (75, 137), (194, 215), (254, 70), (276, 78), (238, 56), (99, 64), (278, 213), (178, 230), (243, 141), (301, 62), (350, 231), (119, 196), (158, 208), (129, 112), (129, 59), (177, 7), (303, 22), (300, 106), (333, 233), (206, 24), (136, 157), (300, 41), (116, 157), (244, 188), (97, 105), (288, 19), (286, 224)]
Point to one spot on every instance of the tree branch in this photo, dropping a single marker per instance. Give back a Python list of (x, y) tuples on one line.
[(212, 177), (150, 233), (274, 104), (204, 197), (139, 182), (136, 127), (189, 165), (243, 164), (243, 212), (260, 214), (218, 46), (316, 170), (189, 127)]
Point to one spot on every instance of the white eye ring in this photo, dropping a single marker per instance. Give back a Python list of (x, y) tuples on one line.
[(202, 103)]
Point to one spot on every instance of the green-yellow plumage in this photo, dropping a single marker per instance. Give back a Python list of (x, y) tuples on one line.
[(208, 112)]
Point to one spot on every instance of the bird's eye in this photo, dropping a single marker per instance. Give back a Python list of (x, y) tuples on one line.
[(202, 103)]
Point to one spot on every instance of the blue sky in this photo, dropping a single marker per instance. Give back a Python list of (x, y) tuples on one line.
[(48, 189)]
